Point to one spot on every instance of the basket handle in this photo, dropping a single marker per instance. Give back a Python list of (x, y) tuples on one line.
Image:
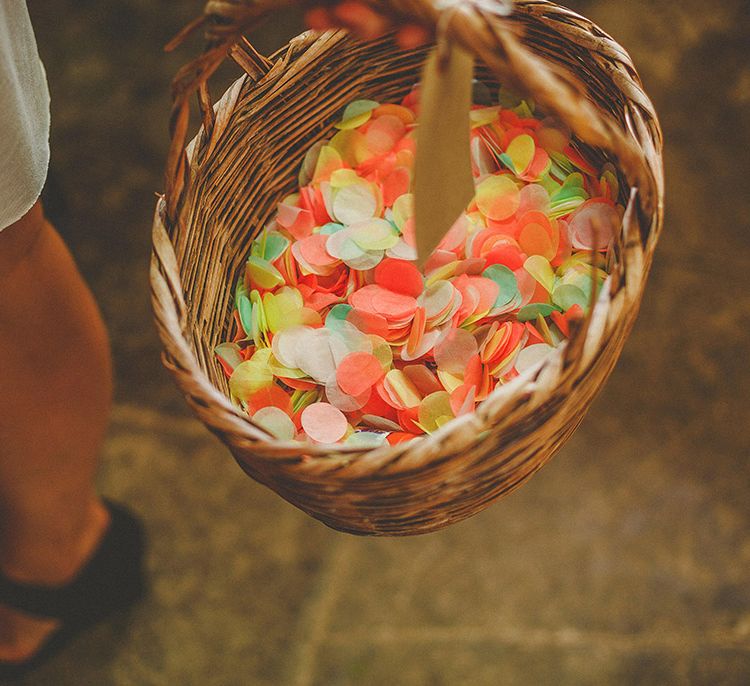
[(481, 27)]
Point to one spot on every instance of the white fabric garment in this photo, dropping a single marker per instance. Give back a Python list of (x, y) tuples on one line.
[(24, 114)]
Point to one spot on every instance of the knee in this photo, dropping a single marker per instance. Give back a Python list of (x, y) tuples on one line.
[(18, 241)]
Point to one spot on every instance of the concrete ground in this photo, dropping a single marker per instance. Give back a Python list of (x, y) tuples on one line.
[(624, 561)]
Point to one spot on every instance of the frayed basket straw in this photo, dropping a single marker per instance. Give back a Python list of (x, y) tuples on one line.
[(223, 187)]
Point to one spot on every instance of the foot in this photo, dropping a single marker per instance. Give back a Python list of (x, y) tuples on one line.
[(22, 634)]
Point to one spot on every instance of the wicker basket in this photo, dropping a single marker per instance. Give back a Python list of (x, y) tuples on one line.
[(224, 186)]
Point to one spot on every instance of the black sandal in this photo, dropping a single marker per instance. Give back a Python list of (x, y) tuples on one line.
[(111, 580)]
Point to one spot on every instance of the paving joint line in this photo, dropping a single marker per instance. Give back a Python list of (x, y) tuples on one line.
[(530, 637), (312, 628), (149, 418)]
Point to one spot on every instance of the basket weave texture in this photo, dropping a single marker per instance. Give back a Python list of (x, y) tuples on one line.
[(223, 187)]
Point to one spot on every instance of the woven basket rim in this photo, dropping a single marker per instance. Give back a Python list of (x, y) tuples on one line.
[(421, 485), (540, 385), (271, 448)]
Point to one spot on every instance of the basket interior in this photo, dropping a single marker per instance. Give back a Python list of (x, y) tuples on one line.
[(253, 164)]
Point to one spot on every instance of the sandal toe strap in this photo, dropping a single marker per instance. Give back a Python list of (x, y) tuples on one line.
[(110, 578)]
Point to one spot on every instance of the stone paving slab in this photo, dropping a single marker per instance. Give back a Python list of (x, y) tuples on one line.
[(608, 567), (489, 663)]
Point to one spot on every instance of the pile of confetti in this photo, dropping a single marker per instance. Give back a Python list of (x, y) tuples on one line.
[(340, 338)]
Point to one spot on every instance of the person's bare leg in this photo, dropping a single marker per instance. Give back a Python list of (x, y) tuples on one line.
[(55, 398)]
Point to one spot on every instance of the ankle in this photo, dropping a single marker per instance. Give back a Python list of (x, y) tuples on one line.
[(55, 555)]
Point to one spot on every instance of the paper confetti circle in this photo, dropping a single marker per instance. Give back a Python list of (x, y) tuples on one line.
[(339, 338)]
